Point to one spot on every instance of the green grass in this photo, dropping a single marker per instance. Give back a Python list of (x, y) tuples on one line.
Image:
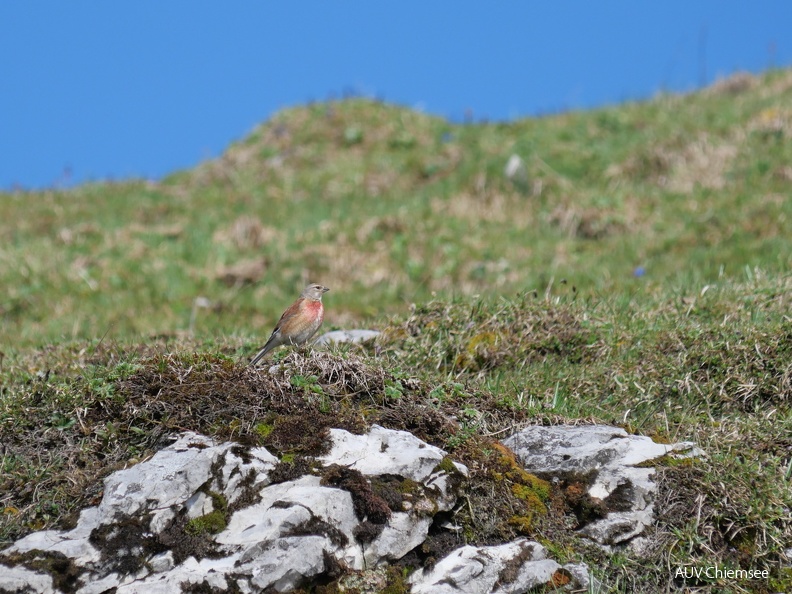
[(527, 308)]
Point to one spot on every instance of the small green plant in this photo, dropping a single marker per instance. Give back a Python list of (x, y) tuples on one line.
[(308, 383), (213, 522), (393, 390)]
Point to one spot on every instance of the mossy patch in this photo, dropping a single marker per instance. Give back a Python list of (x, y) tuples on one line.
[(367, 504), (299, 434), (213, 522), (125, 545), (534, 491), (263, 430), (65, 574), (317, 526), (480, 352), (292, 467), (447, 465)]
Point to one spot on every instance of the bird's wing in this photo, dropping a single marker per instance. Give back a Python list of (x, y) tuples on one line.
[(293, 310)]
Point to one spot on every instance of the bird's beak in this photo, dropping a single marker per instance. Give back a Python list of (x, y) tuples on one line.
[(325, 289)]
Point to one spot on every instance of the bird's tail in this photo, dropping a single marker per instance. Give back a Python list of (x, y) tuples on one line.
[(260, 355)]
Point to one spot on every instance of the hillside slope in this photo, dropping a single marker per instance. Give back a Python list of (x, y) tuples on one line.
[(387, 206)]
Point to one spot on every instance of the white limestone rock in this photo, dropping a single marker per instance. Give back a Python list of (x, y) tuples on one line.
[(21, 579), (161, 562), (291, 532), (198, 505), (516, 171), (287, 511), (169, 478), (608, 457), (402, 534), (341, 336), (74, 543), (511, 568), (386, 451)]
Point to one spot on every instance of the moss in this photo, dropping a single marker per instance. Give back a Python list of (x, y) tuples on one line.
[(534, 491), (530, 496), (673, 461), (392, 489), (299, 433), (65, 574), (292, 467), (367, 504), (263, 430), (522, 524), (366, 531), (409, 487), (397, 581), (480, 352), (447, 465), (126, 543), (317, 526), (213, 522), (782, 583)]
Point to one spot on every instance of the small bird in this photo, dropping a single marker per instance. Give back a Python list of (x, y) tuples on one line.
[(298, 323)]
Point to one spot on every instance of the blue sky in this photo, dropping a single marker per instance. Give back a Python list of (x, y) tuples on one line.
[(109, 90)]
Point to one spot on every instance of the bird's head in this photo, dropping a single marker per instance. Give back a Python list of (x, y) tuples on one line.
[(314, 292)]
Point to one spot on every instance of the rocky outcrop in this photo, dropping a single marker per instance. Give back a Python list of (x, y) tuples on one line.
[(607, 470), (510, 568), (208, 516), (211, 515)]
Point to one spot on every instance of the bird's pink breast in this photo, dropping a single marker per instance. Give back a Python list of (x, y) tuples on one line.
[(317, 309), (306, 322)]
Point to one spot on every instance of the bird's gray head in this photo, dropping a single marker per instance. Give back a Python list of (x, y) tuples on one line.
[(314, 292)]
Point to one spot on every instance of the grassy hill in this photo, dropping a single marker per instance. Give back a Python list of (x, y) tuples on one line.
[(387, 205), (635, 270)]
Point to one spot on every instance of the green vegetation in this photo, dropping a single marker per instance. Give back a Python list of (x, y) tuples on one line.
[(638, 272), (213, 522)]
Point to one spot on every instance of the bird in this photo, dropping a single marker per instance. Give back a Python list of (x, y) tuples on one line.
[(298, 323)]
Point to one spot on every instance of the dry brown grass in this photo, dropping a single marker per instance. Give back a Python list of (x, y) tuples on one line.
[(492, 206), (247, 233), (702, 163)]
